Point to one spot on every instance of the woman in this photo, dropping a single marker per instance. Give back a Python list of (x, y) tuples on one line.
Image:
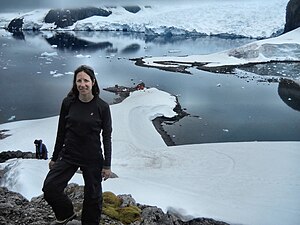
[(83, 117)]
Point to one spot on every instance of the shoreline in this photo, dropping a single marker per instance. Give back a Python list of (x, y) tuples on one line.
[(157, 122)]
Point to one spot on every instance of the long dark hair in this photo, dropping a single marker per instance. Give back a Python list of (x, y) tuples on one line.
[(89, 71)]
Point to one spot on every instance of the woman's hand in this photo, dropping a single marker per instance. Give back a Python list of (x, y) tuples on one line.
[(51, 164), (106, 174)]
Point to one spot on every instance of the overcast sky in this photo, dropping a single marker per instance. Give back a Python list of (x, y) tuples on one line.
[(17, 5), (13, 5)]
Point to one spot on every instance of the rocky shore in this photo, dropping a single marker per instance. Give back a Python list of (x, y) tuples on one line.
[(117, 210), (6, 155)]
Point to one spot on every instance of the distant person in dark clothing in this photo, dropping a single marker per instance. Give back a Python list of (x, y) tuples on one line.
[(40, 150), (83, 117)]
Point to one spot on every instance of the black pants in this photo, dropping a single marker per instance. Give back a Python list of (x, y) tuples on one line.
[(55, 183)]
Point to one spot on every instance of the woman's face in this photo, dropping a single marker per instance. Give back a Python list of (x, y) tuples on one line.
[(84, 83)]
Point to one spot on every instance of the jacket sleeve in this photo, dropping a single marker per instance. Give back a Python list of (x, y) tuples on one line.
[(61, 129), (106, 137)]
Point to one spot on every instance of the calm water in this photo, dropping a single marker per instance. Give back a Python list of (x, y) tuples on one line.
[(36, 73)]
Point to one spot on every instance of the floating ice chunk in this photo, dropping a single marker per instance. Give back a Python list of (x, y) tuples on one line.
[(53, 72), (174, 51), (47, 54), (11, 118), (58, 75), (83, 56)]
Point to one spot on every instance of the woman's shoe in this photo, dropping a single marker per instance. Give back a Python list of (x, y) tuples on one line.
[(65, 221)]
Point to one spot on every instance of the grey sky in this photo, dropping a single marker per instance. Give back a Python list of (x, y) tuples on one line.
[(15, 5)]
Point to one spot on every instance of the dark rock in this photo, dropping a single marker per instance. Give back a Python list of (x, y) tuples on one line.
[(2, 172), (132, 9), (6, 155), (3, 134), (67, 17), (289, 92), (16, 210), (154, 215), (127, 200), (15, 25), (124, 89), (180, 68), (292, 15), (158, 123), (204, 221)]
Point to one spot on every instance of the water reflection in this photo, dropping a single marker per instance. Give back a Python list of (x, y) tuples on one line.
[(131, 48), (70, 42), (18, 35), (66, 41), (289, 92)]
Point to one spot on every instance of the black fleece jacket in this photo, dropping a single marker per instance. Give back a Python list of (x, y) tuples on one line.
[(78, 138)]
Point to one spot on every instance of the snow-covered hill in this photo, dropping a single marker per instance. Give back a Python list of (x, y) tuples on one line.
[(255, 18)]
